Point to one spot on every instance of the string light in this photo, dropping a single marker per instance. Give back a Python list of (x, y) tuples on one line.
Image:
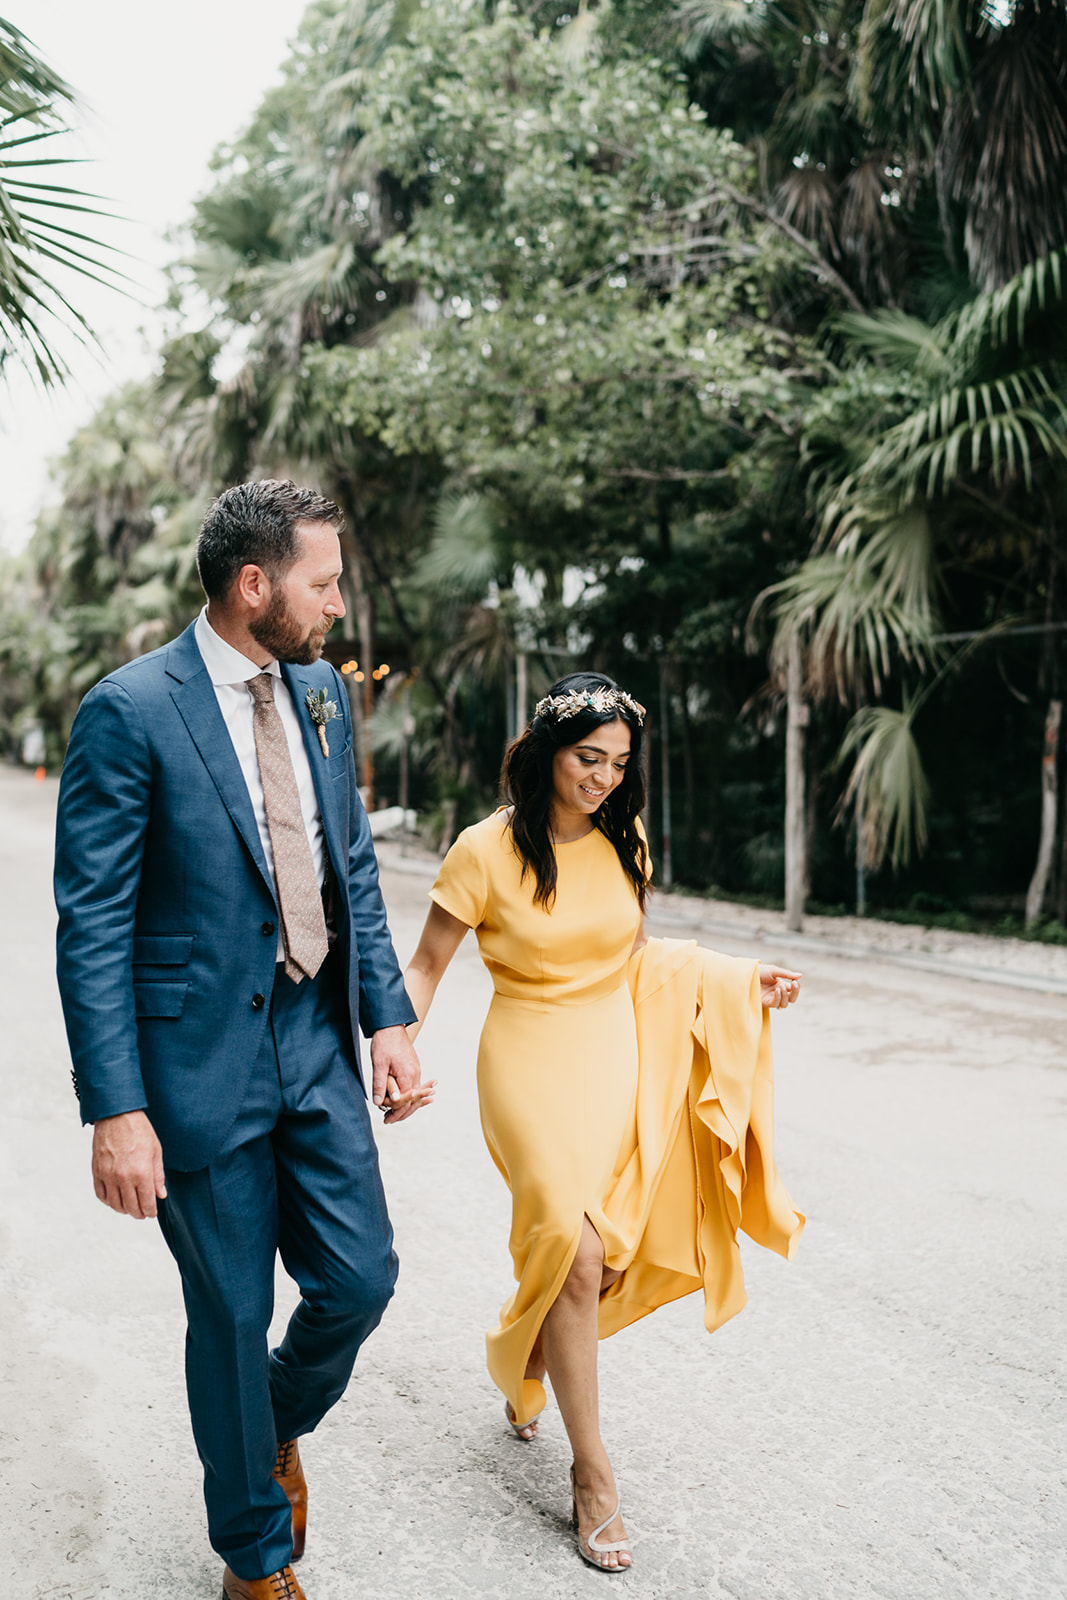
[(378, 673)]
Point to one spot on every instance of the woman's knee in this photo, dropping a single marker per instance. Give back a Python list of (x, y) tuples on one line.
[(583, 1279)]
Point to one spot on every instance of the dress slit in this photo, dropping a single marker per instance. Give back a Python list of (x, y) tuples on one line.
[(508, 1352)]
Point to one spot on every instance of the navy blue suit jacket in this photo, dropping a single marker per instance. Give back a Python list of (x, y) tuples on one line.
[(167, 916)]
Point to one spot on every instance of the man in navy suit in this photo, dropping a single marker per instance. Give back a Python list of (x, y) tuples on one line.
[(222, 942)]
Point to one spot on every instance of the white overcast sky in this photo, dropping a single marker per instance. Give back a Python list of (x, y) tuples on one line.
[(161, 87)]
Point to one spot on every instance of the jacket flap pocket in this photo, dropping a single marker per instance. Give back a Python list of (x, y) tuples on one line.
[(162, 949), (159, 999)]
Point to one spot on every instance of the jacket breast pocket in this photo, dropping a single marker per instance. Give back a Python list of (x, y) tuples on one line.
[(159, 999), (341, 764)]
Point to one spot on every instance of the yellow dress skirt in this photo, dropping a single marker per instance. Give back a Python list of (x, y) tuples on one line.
[(636, 1092)]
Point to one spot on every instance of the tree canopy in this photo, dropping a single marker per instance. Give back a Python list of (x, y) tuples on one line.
[(652, 337)]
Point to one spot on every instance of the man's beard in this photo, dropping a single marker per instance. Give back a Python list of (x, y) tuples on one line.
[(278, 631)]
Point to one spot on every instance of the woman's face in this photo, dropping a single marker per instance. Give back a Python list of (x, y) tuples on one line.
[(584, 774)]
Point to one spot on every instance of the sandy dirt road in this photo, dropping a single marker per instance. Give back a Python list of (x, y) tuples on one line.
[(885, 1419)]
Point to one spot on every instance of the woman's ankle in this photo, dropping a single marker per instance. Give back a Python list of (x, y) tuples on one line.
[(593, 1474)]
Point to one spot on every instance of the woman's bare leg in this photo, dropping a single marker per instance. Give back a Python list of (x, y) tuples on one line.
[(569, 1345)]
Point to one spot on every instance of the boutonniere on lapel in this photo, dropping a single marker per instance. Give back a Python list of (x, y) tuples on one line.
[(322, 711)]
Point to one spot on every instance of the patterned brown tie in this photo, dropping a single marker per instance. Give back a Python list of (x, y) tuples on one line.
[(303, 921)]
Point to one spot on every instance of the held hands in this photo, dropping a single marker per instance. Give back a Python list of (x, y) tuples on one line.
[(397, 1088), (128, 1165), (778, 987)]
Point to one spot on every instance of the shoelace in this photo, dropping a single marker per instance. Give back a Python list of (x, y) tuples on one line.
[(283, 1584), (284, 1464)]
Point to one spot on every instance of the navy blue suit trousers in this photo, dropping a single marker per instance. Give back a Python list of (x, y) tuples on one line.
[(298, 1175)]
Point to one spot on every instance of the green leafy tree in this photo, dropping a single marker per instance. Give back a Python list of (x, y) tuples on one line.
[(110, 572)]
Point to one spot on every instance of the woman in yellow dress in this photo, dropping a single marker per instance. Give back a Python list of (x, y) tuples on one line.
[(624, 1082)]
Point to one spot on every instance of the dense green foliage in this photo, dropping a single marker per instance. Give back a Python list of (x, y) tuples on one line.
[(648, 337)]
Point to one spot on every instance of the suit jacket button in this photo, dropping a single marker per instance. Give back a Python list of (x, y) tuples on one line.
[(267, 929), (258, 1002)]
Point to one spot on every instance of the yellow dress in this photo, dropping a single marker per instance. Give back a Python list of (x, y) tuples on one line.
[(633, 1091)]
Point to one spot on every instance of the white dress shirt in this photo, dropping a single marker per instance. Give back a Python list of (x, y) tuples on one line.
[(230, 672)]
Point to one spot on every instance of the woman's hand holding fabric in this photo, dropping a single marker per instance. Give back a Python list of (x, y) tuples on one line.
[(778, 986)]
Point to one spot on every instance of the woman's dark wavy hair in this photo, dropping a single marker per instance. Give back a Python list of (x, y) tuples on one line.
[(526, 782)]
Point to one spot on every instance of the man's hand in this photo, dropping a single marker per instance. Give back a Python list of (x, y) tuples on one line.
[(778, 986), (128, 1165), (397, 1089)]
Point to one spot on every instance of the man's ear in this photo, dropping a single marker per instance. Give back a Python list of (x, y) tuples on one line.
[(252, 588)]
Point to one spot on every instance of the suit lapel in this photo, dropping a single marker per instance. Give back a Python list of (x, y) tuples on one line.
[(194, 696), (299, 684)]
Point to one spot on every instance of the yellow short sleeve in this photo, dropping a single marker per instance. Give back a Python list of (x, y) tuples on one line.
[(461, 887)]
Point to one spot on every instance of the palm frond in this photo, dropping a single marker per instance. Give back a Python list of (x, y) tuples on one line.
[(807, 198), (33, 240), (327, 280), (484, 647), (861, 603), (29, 87), (913, 58), (1001, 316), (721, 22), (1001, 427), (462, 560), (811, 114), (897, 339), (579, 38), (1004, 146), (868, 226), (888, 775)]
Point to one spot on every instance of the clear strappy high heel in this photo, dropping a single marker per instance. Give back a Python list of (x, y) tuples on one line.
[(591, 1549), (519, 1427)]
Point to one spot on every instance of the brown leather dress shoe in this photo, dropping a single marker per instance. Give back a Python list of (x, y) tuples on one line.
[(281, 1585), (290, 1474)]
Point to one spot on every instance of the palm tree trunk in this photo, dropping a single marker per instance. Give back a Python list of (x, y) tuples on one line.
[(363, 543), (1035, 898), (861, 852), (522, 691), (365, 625), (1061, 892), (798, 715), (360, 687)]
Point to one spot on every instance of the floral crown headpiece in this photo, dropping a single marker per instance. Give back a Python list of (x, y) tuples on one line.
[(562, 706)]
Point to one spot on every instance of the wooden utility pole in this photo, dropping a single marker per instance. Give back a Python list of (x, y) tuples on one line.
[(665, 775), (407, 729), (522, 692), (798, 716), (1035, 898)]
